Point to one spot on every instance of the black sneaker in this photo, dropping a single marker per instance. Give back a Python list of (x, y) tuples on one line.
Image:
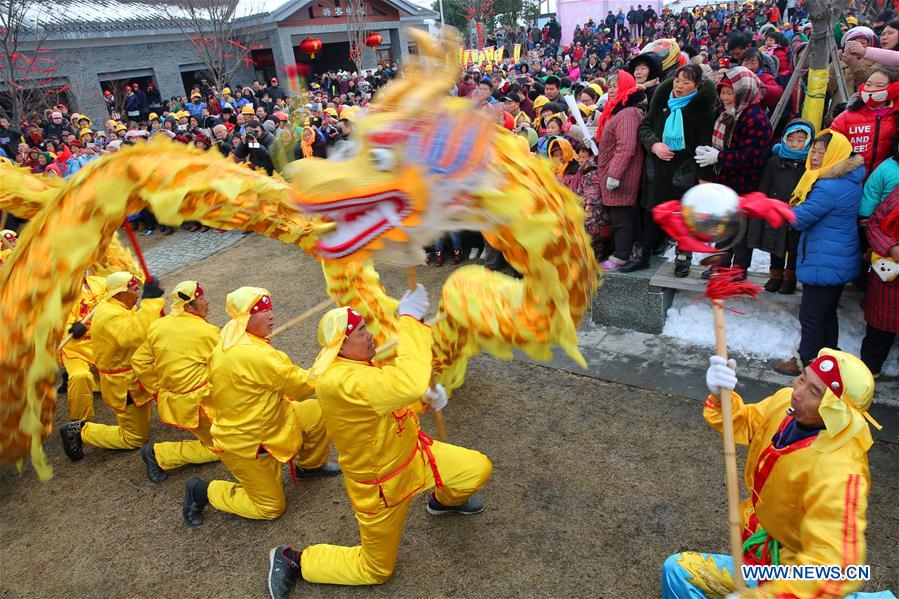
[(707, 274), (64, 384), (283, 571), (329, 469), (195, 499), (474, 505), (70, 433), (154, 471)]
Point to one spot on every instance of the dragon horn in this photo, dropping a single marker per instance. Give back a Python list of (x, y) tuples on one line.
[(428, 75)]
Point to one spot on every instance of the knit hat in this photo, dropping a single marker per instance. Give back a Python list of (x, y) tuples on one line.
[(844, 406), (241, 304), (184, 293), (120, 281), (333, 328)]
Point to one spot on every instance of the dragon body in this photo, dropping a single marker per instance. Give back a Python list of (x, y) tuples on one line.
[(421, 163)]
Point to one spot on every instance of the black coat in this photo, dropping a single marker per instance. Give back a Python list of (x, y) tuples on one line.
[(668, 180), (779, 179)]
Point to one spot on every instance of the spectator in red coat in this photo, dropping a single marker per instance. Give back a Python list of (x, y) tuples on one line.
[(881, 301), (763, 67), (621, 162), (870, 120)]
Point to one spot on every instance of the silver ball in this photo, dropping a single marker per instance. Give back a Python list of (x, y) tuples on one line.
[(711, 211)]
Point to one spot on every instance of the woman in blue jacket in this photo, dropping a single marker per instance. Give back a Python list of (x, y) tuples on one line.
[(825, 202)]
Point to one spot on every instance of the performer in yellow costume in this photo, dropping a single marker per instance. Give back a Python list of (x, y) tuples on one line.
[(257, 421), (117, 330), (172, 364), (807, 470), (77, 356), (385, 457)]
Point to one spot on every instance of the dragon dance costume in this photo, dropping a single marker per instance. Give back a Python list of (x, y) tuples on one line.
[(809, 490)]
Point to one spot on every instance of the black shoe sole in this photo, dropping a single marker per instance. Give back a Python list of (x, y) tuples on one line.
[(188, 506), (154, 471), (71, 453)]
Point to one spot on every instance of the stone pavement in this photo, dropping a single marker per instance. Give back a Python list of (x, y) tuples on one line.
[(184, 247)]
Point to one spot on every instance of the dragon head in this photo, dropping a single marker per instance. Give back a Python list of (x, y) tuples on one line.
[(416, 157)]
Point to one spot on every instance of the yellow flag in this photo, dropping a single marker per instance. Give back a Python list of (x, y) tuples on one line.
[(516, 52), (489, 53), (499, 55)]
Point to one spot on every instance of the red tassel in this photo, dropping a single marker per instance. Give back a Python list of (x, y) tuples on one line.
[(728, 283)]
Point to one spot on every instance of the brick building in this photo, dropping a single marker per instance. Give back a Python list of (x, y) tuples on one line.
[(102, 44)]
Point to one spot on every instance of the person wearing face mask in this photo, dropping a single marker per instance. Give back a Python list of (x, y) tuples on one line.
[(172, 365), (385, 456), (807, 472), (870, 120), (258, 418), (117, 330)]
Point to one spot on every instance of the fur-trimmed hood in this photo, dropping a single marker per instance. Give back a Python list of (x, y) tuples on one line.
[(843, 168)]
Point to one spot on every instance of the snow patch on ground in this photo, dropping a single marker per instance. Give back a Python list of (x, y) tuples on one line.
[(762, 330)]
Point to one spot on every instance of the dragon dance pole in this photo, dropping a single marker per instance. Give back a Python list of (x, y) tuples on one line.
[(439, 422), (140, 255)]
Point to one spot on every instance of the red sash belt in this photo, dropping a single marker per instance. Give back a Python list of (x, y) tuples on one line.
[(424, 445), (108, 372)]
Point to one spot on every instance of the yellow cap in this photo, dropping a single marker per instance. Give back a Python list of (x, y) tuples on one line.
[(226, 91), (120, 128), (84, 132), (153, 116), (852, 20), (331, 333), (844, 416), (110, 123), (184, 293), (120, 281), (239, 304), (247, 109), (332, 111), (540, 101)]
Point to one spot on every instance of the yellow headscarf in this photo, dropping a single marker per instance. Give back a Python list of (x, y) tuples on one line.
[(306, 145), (838, 150), (331, 333), (239, 303), (844, 417), (567, 155), (185, 289), (118, 282)]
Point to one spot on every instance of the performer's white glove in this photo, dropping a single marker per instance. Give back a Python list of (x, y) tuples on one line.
[(706, 155), (414, 303), (612, 183), (720, 375), (436, 397)]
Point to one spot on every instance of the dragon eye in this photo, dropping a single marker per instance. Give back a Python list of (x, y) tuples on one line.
[(382, 158)]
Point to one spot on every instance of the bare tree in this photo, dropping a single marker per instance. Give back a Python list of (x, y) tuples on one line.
[(223, 40), (28, 81), (356, 22)]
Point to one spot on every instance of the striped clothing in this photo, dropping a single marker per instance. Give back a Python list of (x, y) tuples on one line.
[(881, 298)]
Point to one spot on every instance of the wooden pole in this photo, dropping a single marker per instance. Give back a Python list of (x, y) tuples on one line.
[(439, 422), (319, 307), (784, 101), (730, 453), (84, 321)]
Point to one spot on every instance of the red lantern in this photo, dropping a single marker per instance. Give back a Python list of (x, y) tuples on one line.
[(310, 46), (373, 40)]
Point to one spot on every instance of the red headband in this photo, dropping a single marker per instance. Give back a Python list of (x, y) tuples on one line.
[(9, 236), (828, 369), (134, 282), (264, 303), (199, 291), (353, 321)]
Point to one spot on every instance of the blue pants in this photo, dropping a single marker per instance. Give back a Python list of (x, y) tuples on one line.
[(712, 573), (455, 240)]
